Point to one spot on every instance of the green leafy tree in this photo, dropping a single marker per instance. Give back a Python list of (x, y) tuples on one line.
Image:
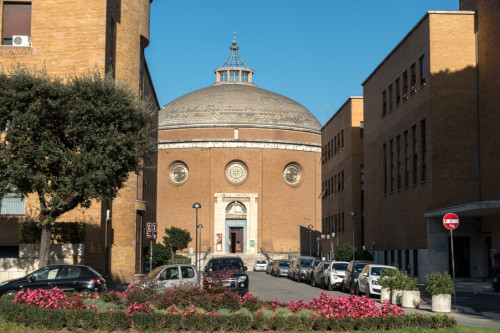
[(161, 256), (344, 253), (69, 142), (176, 239)]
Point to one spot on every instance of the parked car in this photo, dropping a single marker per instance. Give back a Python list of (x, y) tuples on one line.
[(260, 266), (291, 269), (368, 279), (318, 278), (351, 274), (67, 278), (218, 267), (311, 269), (269, 266), (281, 268), (172, 275), (300, 267), (334, 275)]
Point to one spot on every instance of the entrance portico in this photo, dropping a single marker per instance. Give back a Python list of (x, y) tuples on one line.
[(235, 223)]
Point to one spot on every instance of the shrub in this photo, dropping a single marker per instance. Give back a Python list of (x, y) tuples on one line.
[(260, 322), (250, 302), (73, 321), (113, 321), (89, 320), (387, 278), (173, 322), (240, 322), (439, 283)]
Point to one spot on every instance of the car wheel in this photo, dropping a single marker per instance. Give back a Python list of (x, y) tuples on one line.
[(11, 292), (313, 283), (330, 287), (322, 283)]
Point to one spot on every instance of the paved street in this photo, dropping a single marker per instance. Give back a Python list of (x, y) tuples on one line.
[(474, 309)]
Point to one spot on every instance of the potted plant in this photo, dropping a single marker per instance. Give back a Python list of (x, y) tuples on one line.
[(386, 282), (411, 295), (398, 286), (440, 286)]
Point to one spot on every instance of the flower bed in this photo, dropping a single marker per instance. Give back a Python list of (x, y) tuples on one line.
[(205, 310)]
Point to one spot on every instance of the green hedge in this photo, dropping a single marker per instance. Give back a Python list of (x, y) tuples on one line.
[(89, 320), (62, 232)]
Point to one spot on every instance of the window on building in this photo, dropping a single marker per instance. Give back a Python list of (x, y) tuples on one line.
[(424, 150), (13, 204), (335, 179), (16, 21), (413, 78), (336, 224), (331, 145), (333, 185), (244, 76), (385, 258), (342, 137), (361, 129), (398, 92), (422, 70), (342, 175), (415, 153), (338, 142), (391, 98), (415, 262), (399, 157), (335, 144), (328, 150), (407, 160), (223, 76), (405, 85), (391, 161), (384, 103), (385, 168), (343, 222), (234, 75)]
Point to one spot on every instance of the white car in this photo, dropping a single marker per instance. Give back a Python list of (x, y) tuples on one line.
[(260, 266), (172, 275), (368, 279), (334, 275)]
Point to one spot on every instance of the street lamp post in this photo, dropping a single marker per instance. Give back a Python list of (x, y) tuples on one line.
[(199, 226), (196, 205), (310, 226), (353, 214)]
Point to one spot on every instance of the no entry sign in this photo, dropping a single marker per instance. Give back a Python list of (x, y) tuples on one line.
[(450, 221)]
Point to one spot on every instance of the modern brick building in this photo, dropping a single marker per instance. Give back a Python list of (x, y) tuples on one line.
[(249, 156), (73, 37), (342, 178), (430, 145)]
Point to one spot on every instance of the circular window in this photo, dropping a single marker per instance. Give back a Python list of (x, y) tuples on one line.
[(292, 173), (236, 172), (179, 172)]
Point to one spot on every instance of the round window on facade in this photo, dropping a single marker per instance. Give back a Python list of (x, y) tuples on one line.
[(292, 173), (179, 172), (236, 172)]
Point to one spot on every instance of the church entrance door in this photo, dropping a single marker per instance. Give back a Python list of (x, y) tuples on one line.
[(235, 239)]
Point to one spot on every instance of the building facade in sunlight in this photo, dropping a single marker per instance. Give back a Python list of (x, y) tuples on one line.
[(69, 38), (248, 156)]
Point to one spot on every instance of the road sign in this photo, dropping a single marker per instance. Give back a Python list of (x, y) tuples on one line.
[(450, 221), (151, 230)]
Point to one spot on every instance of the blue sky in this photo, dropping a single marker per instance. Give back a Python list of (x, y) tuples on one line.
[(316, 52)]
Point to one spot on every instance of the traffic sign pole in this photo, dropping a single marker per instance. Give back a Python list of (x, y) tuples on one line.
[(450, 221), (453, 266)]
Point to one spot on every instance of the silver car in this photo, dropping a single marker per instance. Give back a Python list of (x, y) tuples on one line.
[(172, 275), (368, 279), (334, 275)]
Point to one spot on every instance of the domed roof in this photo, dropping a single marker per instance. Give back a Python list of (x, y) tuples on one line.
[(236, 105), (233, 100)]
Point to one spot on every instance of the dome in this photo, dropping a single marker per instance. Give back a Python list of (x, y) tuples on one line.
[(236, 105)]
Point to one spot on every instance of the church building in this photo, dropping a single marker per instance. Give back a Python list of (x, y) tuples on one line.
[(251, 159)]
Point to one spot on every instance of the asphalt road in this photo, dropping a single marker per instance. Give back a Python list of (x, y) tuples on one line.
[(267, 287)]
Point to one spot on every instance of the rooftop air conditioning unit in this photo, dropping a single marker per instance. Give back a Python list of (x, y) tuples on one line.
[(21, 40)]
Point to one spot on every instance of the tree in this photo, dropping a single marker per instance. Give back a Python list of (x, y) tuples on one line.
[(161, 256), (176, 239), (344, 253), (69, 142)]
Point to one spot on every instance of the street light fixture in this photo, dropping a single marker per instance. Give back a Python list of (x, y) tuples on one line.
[(196, 205), (310, 226), (199, 226)]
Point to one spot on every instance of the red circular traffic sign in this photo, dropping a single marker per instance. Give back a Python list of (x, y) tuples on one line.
[(450, 221)]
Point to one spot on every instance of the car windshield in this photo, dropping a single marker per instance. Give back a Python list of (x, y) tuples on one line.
[(260, 262), (305, 262), (339, 266), (284, 264), (219, 265), (316, 263), (326, 265), (153, 273), (377, 270), (359, 267)]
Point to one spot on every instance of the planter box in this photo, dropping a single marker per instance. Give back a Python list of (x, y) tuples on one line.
[(441, 303), (385, 295), (410, 299), (396, 296)]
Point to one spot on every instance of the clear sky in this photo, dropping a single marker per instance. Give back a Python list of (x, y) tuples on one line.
[(316, 52)]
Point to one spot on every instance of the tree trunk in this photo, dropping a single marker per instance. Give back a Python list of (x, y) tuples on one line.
[(43, 259)]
